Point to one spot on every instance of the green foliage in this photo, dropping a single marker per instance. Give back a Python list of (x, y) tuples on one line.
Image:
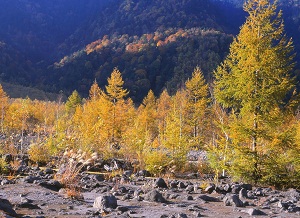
[(3, 166), (156, 161), (73, 101), (39, 153)]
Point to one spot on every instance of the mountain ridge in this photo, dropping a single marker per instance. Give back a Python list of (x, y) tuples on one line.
[(60, 49)]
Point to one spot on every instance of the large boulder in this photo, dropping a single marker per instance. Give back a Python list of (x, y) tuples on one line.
[(255, 212), (160, 183), (7, 207), (105, 201), (232, 200), (154, 196)]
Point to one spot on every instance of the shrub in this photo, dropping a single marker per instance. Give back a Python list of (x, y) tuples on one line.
[(39, 153), (3, 166), (157, 162)]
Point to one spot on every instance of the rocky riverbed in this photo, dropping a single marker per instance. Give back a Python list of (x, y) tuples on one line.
[(39, 195)]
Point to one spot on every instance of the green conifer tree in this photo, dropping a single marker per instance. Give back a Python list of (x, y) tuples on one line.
[(73, 101)]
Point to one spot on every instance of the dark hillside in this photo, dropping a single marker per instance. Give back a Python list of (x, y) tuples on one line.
[(67, 44)]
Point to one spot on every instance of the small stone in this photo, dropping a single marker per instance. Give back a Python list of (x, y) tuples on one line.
[(189, 198), (227, 188), (126, 197), (122, 209), (181, 185), (182, 215), (197, 214), (138, 192), (48, 171), (127, 173), (208, 198), (5, 182), (173, 184)]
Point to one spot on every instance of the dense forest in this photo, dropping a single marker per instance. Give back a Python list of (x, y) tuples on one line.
[(66, 45), (241, 107)]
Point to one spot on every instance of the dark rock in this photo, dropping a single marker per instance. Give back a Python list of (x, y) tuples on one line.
[(181, 185), (139, 198), (181, 205), (246, 186), (154, 196), (174, 196), (127, 173), (227, 188), (48, 171), (52, 184), (122, 209), (7, 207), (197, 214), (235, 189), (210, 188), (126, 197), (283, 205), (144, 173), (99, 177), (8, 158), (160, 183), (31, 179), (174, 184), (6, 182), (26, 203), (243, 193), (105, 201), (189, 198), (255, 212), (293, 209), (208, 198), (194, 207), (273, 200), (182, 215), (138, 192), (220, 189), (122, 190), (259, 192), (190, 188), (293, 194), (232, 200)]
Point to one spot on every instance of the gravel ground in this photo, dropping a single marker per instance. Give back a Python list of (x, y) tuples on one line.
[(35, 200)]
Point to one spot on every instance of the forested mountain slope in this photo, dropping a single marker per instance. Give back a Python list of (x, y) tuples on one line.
[(66, 45)]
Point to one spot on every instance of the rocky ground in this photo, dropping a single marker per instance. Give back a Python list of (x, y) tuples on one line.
[(37, 194)]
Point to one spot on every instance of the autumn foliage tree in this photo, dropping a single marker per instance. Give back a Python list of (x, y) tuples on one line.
[(255, 82), (197, 106)]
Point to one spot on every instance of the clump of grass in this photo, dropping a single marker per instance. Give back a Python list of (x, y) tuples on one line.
[(72, 164)]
